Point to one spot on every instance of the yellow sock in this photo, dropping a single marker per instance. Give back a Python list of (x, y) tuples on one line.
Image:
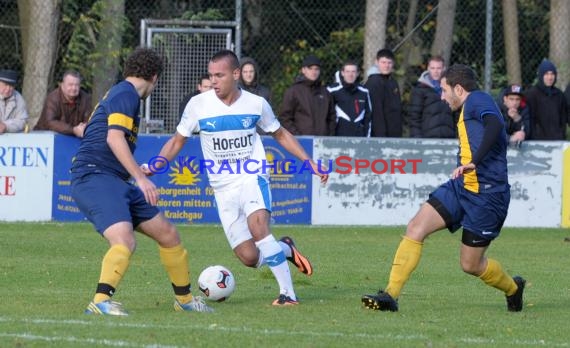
[(113, 268), (495, 276), (175, 261), (405, 261)]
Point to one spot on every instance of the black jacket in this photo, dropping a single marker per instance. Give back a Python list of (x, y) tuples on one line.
[(386, 106), (510, 125), (428, 115), (548, 112), (352, 107)]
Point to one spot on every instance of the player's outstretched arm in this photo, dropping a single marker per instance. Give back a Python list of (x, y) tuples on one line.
[(290, 143), (173, 146)]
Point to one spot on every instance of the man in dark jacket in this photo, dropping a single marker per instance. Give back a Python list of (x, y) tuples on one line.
[(547, 106), (67, 108), (429, 116), (352, 103), (514, 110), (385, 97), (307, 107), (249, 77)]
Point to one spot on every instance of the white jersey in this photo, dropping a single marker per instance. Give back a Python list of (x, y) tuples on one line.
[(228, 135)]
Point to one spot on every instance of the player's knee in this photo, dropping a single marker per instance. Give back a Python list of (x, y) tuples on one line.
[(248, 258), (249, 261), (415, 230), (172, 233), (470, 267)]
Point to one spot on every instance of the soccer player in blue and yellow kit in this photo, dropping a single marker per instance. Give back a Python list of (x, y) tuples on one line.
[(476, 197), (101, 188)]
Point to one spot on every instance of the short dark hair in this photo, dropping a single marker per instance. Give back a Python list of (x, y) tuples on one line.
[(203, 77), (460, 74), (143, 63), (229, 55), (385, 53), (350, 62)]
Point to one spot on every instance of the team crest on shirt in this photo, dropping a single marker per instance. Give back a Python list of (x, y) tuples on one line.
[(247, 122)]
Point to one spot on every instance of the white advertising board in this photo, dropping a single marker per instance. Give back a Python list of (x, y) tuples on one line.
[(369, 198), (26, 176)]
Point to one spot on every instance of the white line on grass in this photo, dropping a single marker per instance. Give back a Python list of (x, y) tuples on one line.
[(216, 327), (106, 342), (270, 332)]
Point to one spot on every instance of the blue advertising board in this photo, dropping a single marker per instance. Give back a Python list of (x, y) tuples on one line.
[(185, 194)]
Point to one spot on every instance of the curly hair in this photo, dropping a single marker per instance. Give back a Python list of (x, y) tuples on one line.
[(143, 63), (460, 74)]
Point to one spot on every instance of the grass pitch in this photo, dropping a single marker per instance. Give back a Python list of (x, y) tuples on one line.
[(49, 272)]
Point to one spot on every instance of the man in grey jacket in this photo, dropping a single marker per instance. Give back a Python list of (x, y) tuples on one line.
[(13, 112)]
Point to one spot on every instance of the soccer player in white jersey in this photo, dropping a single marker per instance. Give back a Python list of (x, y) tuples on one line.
[(226, 118)]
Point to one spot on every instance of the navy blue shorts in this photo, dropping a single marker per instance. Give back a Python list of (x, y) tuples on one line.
[(482, 214), (107, 199)]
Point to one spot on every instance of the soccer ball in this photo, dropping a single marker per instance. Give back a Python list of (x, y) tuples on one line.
[(217, 283)]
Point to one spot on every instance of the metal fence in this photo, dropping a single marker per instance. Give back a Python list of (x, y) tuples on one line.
[(187, 50), (272, 31)]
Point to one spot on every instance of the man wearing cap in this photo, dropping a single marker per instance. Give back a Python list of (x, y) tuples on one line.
[(67, 108), (547, 105), (515, 112), (307, 107), (13, 112)]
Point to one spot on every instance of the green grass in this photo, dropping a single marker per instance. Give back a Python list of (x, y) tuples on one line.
[(48, 273)]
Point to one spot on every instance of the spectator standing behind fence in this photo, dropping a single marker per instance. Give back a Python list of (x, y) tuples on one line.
[(429, 116), (67, 108), (547, 106), (351, 102), (307, 107), (385, 96), (515, 112), (202, 86), (13, 112), (249, 79)]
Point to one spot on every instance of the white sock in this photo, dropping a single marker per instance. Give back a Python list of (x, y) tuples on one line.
[(274, 257), (286, 249)]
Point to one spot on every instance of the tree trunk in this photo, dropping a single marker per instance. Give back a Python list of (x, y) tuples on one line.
[(108, 45), (411, 50), (511, 39), (253, 16), (560, 40), (374, 30), (23, 14), (39, 20), (444, 29)]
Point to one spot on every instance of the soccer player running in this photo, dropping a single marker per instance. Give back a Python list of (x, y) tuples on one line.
[(100, 186), (476, 197), (226, 118)]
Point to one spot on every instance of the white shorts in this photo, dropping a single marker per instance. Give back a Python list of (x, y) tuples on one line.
[(235, 205)]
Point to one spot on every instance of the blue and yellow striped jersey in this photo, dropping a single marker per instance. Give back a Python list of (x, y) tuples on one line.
[(118, 109), (491, 173)]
